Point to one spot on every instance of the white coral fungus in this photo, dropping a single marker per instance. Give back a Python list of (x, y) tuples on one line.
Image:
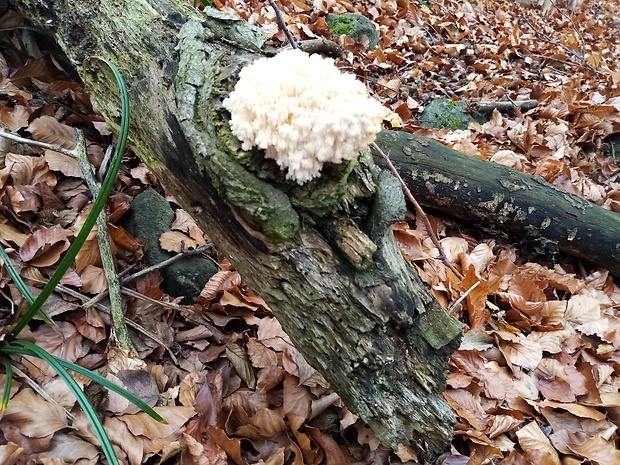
[(303, 112)]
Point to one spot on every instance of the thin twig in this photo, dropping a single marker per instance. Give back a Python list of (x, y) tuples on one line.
[(117, 304), (34, 143), (39, 390), (463, 296), (581, 41), (565, 48), (144, 271), (131, 293), (282, 25), (106, 310), (429, 228)]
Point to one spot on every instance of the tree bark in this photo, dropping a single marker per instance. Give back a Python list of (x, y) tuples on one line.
[(517, 203), (323, 255)]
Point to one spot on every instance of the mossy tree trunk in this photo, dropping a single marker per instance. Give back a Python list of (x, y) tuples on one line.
[(323, 256)]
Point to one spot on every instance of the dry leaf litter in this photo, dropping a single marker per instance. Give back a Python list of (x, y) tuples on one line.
[(536, 378)]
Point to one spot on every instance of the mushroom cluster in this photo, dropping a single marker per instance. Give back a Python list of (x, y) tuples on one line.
[(303, 112)]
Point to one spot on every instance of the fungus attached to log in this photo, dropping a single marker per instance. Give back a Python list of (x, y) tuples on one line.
[(303, 112)]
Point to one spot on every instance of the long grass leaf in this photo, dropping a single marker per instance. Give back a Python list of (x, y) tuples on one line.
[(97, 378), (33, 349), (20, 284), (91, 219), (8, 382), (19, 346)]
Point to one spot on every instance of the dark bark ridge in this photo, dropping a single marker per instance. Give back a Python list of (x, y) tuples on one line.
[(323, 255)]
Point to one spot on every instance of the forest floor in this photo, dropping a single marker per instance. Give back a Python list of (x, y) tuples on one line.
[(537, 378)]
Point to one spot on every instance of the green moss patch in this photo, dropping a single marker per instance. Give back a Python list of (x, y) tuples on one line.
[(355, 26)]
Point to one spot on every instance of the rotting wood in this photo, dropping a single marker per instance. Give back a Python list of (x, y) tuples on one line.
[(369, 326), (488, 107)]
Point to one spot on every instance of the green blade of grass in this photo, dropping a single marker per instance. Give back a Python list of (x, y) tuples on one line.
[(24, 347), (8, 382), (97, 378), (20, 284), (91, 219), (28, 348)]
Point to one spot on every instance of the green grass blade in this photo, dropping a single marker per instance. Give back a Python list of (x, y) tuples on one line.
[(97, 378), (20, 346), (98, 205), (8, 382), (20, 284), (33, 349)]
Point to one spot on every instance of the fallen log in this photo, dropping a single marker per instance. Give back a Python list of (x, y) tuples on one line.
[(323, 255), (520, 204)]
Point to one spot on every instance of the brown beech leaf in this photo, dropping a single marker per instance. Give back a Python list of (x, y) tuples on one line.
[(27, 171), (10, 235), (582, 309), (519, 350), (232, 446), (201, 452), (138, 382), (90, 325), (240, 360), (261, 356), (93, 280), (23, 199), (64, 164), (576, 410), (140, 424), (149, 285), (119, 204), (44, 246), (14, 118), (129, 447), (223, 280), (61, 340), (266, 424), (270, 377), (335, 454), (594, 448), (68, 448), (559, 381), (186, 224), (50, 200), (277, 456), (406, 453), (536, 445), (41, 69), (176, 241), (35, 417), (271, 334), (296, 401), (11, 453), (47, 129), (62, 89), (124, 240), (467, 407), (498, 383), (89, 254)]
